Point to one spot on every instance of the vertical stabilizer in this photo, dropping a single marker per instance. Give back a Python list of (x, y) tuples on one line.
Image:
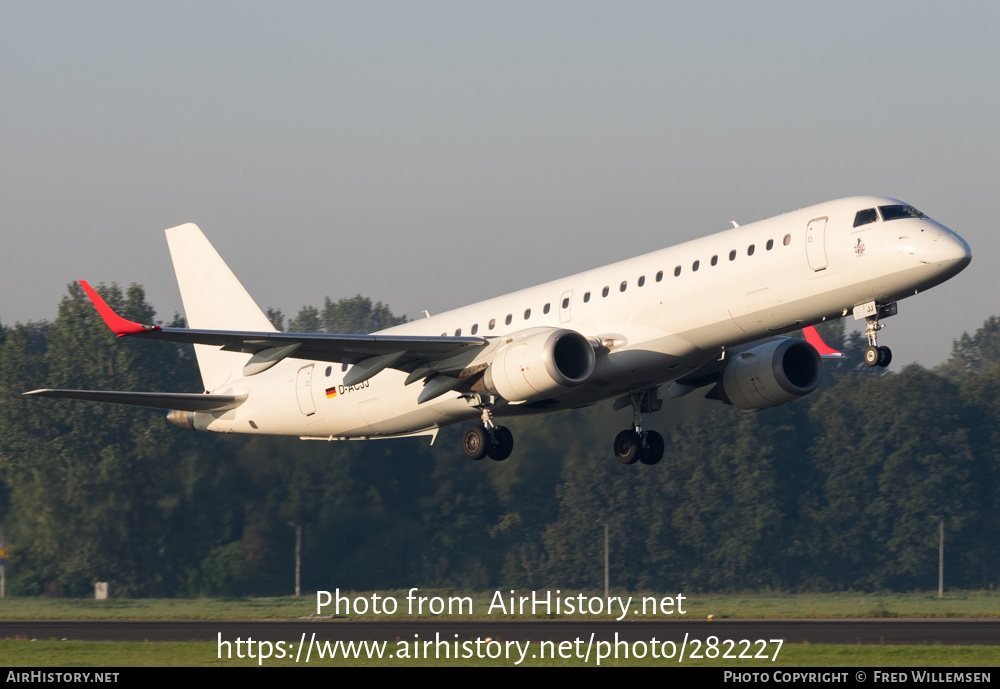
[(213, 299)]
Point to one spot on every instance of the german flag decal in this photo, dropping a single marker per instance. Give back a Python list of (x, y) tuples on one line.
[(331, 392)]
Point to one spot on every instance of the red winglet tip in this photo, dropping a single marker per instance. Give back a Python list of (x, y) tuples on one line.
[(813, 338), (119, 326)]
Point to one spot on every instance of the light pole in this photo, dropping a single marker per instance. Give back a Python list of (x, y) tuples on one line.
[(606, 575), (298, 556), (940, 556)]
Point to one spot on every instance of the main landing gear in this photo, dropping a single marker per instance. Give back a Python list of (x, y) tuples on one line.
[(634, 444), (487, 439), (874, 354)]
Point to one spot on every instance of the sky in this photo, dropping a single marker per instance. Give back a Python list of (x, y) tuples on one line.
[(432, 154)]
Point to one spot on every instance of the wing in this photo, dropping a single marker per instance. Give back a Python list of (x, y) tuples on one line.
[(394, 351)]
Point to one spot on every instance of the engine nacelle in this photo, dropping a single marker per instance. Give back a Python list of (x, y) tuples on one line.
[(540, 363), (184, 419), (770, 374)]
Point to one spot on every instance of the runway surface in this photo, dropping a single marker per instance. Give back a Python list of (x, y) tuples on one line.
[(832, 631)]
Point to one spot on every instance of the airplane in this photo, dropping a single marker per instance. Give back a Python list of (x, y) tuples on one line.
[(708, 313)]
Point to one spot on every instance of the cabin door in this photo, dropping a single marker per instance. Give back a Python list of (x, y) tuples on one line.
[(816, 244), (303, 390)]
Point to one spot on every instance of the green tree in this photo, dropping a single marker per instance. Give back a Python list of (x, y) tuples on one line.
[(893, 455), (96, 494), (357, 315)]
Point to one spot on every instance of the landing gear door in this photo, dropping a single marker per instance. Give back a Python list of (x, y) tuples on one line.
[(816, 244), (565, 304)]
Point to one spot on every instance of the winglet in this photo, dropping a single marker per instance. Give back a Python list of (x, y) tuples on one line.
[(119, 326), (825, 350)]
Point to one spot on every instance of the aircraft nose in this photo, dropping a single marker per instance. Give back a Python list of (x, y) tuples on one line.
[(952, 248), (948, 254)]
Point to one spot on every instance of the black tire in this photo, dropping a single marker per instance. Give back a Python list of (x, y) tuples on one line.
[(884, 356), (503, 444), (652, 452), (627, 447), (474, 442), (872, 355)]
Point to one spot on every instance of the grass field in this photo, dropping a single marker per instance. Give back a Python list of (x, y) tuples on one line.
[(749, 606), (103, 654)]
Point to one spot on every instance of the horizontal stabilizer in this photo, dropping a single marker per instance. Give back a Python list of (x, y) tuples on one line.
[(181, 401)]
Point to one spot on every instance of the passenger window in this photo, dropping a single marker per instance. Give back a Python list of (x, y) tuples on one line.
[(677, 271), (527, 314), (659, 276), (770, 244), (565, 303), (750, 250), (787, 240), (475, 329), (343, 367), (458, 332), (508, 319), (586, 297), (624, 286), (715, 259), (642, 280), (545, 309), (732, 255), (604, 292), (493, 323), (865, 217), (694, 266), (329, 370)]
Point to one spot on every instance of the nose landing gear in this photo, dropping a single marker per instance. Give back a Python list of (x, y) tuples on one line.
[(874, 354)]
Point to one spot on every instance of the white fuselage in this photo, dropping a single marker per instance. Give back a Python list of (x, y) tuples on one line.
[(659, 316)]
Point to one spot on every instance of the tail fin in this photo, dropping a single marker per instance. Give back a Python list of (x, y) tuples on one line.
[(213, 299)]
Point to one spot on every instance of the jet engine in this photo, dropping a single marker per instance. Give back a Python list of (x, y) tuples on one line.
[(782, 370), (539, 363)]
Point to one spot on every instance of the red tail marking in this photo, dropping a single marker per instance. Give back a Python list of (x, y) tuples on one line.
[(119, 326), (813, 338)]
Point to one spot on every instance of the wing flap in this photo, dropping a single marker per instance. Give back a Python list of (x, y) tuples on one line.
[(181, 401)]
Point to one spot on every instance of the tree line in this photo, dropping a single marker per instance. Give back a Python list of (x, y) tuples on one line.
[(844, 489)]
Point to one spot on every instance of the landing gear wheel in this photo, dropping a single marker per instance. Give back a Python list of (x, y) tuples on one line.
[(475, 442), (627, 445), (872, 355), (652, 450), (884, 356), (503, 444)]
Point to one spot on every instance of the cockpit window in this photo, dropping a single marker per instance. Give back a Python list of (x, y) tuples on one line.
[(897, 212), (864, 217)]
